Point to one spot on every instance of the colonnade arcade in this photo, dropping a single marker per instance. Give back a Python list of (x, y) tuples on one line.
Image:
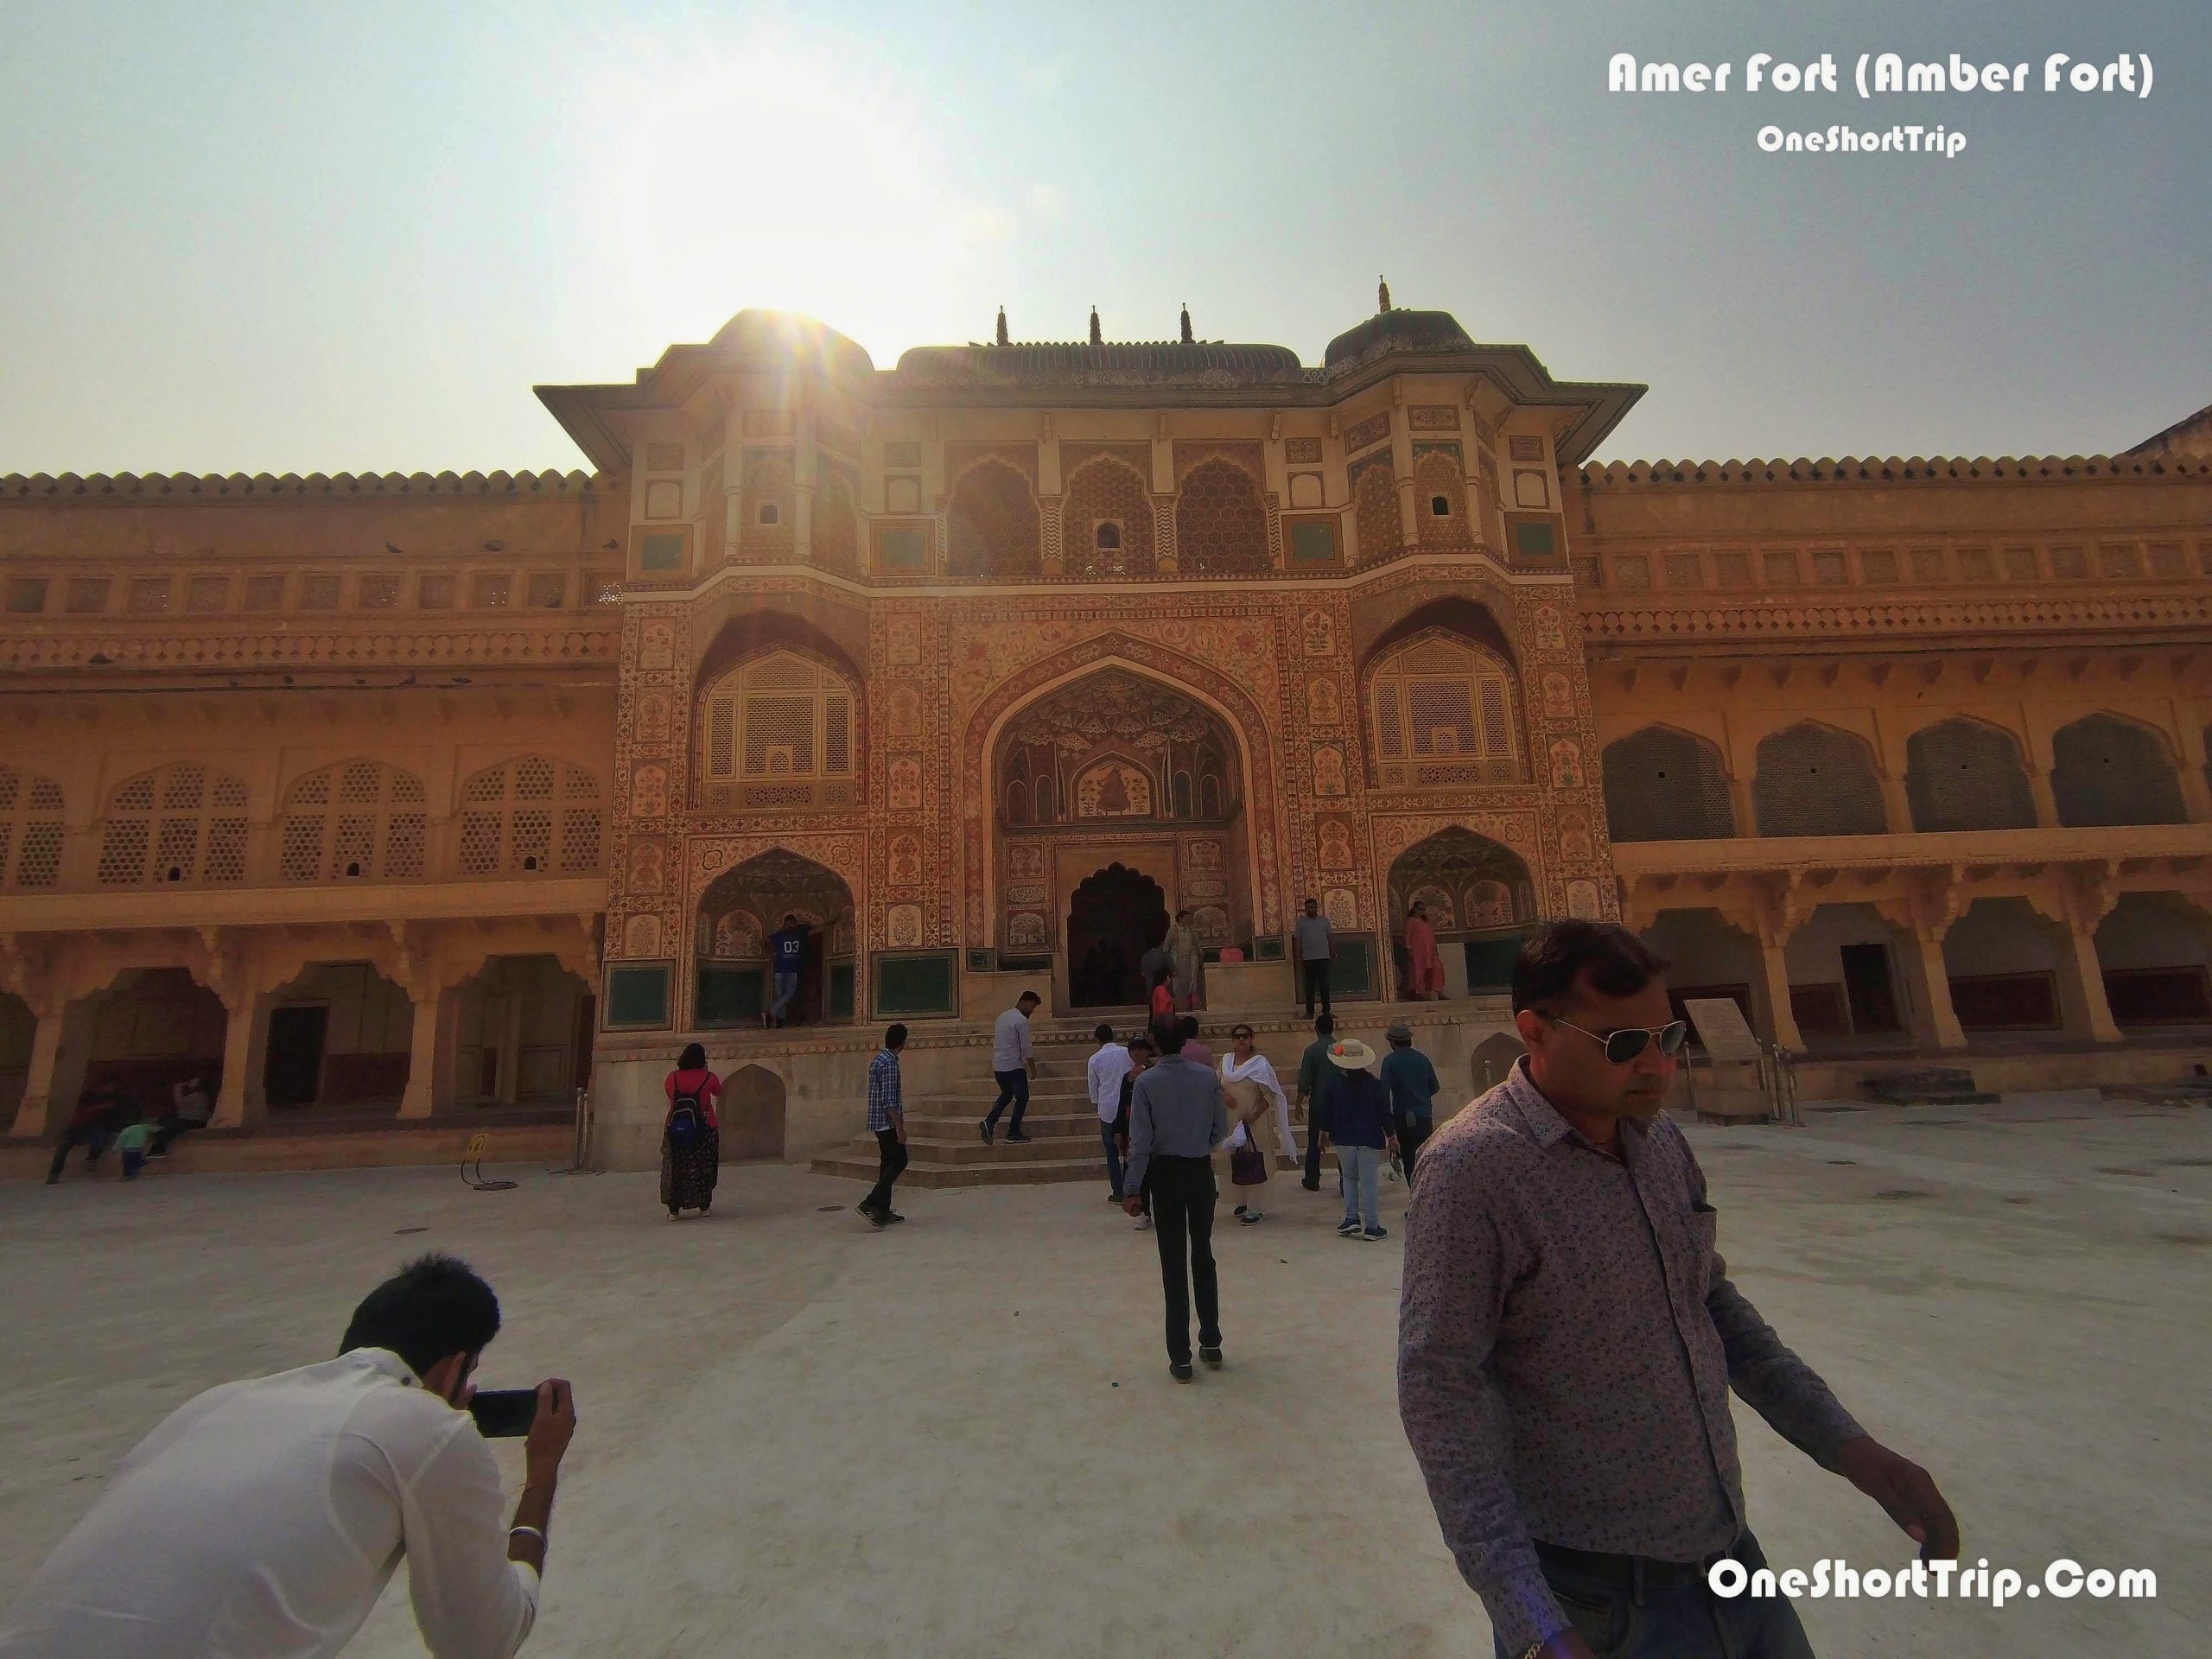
[(404, 1019)]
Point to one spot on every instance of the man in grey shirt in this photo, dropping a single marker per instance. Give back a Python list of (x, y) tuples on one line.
[(1569, 1336), (1177, 1117), (1310, 935), (1014, 1056)]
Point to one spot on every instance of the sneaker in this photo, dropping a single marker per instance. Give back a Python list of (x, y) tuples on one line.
[(874, 1216), (1017, 1139), (1211, 1356), (894, 1216), (1310, 1187), (1347, 1227), (1248, 1216), (983, 1128), (1181, 1370), (1116, 1198), (1144, 1223), (1238, 1210), (1374, 1233)]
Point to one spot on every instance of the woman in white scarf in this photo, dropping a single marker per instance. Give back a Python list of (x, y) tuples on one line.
[(1242, 1063)]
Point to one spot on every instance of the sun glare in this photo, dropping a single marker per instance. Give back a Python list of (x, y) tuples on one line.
[(771, 175)]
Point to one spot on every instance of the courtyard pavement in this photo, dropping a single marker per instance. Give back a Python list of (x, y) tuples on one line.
[(958, 1438)]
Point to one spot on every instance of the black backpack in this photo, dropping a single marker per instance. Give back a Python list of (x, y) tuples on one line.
[(687, 1121)]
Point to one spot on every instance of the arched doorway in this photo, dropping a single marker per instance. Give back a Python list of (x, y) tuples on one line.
[(740, 912), (1479, 897), (1115, 916), (1116, 769)]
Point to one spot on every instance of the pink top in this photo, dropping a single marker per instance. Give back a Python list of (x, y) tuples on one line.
[(701, 1081)]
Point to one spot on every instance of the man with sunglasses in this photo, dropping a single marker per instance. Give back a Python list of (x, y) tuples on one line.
[(1569, 1336)]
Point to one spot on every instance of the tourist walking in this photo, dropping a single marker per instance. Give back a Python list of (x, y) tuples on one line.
[(1196, 1050), (786, 950), (886, 1122), (1568, 1337), (690, 1135), (1359, 1129), (1245, 1064), (1188, 959), (1162, 997), (1424, 967), (1177, 1117), (1014, 1059), (1104, 1075), (1412, 1082), (190, 1107), (1315, 1075), (1311, 937), (1140, 1056), (91, 1126)]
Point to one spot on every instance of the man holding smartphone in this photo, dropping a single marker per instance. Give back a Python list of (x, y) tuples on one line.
[(264, 1517)]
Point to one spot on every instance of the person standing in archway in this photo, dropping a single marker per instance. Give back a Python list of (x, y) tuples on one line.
[(1310, 935), (786, 949), (1188, 960), (1424, 967), (690, 1135)]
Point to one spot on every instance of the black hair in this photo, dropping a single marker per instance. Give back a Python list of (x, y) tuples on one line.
[(1103, 1034), (1028, 996), (1141, 1041), (1161, 975), (1188, 1024), (693, 1059), (431, 1309), (1326, 1026), (895, 1036), (1558, 954), (1168, 1036)]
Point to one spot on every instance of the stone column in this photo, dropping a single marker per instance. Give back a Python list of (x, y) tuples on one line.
[(2082, 999), (1740, 801), (422, 1094), (510, 1036), (1929, 977), (1782, 1019), (242, 1099), (1897, 806), (2046, 802), (1402, 473), (46, 1081)]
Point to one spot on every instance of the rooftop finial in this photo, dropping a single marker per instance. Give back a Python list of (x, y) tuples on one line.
[(1381, 294), (1001, 325), (1096, 339), (1186, 325)]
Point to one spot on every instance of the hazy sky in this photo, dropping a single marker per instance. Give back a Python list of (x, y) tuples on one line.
[(243, 236)]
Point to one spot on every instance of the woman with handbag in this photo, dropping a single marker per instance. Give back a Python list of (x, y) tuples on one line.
[(1249, 1084), (690, 1135), (1244, 1064)]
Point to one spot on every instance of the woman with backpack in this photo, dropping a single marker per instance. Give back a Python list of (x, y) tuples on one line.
[(690, 1138)]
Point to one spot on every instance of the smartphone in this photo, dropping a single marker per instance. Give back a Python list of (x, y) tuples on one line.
[(504, 1413)]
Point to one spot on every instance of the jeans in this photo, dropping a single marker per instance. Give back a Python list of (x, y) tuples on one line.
[(1316, 975), (133, 1159), (93, 1140), (1182, 1217), (785, 987), (892, 1163), (1688, 1621), (1411, 1131), (1012, 1086), (1113, 1157), (1361, 1166)]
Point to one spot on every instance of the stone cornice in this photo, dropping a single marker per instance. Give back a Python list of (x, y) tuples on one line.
[(2185, 609), (1853, 469), (1750, 854), (161, 643), (245, 907), (47, 487)]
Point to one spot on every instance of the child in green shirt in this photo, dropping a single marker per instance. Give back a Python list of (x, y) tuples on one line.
[(132, 1143)]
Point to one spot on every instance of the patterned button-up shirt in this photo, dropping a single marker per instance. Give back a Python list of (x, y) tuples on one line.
[(1568, 1338), (883, 1098)]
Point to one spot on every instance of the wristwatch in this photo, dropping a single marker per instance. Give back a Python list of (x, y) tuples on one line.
[(1534, 1649)]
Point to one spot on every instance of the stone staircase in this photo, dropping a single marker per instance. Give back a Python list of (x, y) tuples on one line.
[(946, 1151)]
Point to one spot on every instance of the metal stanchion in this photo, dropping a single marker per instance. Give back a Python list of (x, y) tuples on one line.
[(580, 1146)]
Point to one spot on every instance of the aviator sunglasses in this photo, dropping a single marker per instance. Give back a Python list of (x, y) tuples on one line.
[(1623, 1046)]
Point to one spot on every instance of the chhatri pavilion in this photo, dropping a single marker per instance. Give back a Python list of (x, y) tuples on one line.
[(424, 801)]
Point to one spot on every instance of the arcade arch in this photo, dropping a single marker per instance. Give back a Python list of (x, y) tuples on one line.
[(741, 909)]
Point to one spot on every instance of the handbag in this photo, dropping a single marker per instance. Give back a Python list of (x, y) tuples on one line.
[(1247, 1167)]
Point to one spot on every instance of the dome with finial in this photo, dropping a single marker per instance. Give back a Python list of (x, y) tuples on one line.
[(1391, 330), (788, 340)]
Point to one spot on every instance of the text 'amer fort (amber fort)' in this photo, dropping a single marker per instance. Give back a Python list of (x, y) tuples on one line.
[(411, 804)]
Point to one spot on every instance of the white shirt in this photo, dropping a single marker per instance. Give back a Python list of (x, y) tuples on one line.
[(1010, 1041), (262, 1520), (1108, 1067)]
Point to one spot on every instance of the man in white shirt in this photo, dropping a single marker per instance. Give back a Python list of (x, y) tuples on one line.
[(1108, 1067), (1012, 1059), (262, 1519)]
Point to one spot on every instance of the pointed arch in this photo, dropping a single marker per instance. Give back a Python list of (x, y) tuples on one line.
[(30, 831), (359, 820), (993, 523), (1442, 708), (1107, 491), (182, 824), (1437, 478), (1221, 521), (1663, 784), (1963, 773), (530, 815), (1814, 779), (2108, 769), (776, 729)]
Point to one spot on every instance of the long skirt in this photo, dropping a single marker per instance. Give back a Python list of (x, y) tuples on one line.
[(687, 1178)]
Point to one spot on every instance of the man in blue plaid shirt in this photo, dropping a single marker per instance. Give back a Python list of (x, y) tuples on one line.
[(886, 1119)]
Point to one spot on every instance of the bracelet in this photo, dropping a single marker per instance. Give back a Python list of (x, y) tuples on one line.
[(528, 1532)]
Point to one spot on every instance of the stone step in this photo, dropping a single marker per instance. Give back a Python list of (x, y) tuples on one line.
[(858, 1166), (949, 1126), (1043, 1149)]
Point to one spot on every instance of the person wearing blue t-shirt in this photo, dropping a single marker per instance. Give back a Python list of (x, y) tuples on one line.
[(785, 946)]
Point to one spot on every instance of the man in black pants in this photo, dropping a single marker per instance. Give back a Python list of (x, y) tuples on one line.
[(1310, 933), (887, 1119), (1315, 1074), (1177, 1117)]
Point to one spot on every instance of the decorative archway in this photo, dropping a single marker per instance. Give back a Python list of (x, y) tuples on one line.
[(1226, 697), (1116, 769), (1478, 895), (738, 912), (1114, 915)]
